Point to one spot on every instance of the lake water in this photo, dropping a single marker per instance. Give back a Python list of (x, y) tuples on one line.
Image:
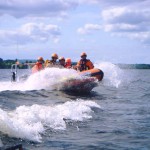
[(114, 116)]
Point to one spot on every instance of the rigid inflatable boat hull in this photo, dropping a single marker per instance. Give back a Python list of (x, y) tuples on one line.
[(84, 85), (97, 73)]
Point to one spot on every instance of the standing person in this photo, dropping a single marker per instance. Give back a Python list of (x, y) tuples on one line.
[(84, 64), (52, 62), (38, 65)]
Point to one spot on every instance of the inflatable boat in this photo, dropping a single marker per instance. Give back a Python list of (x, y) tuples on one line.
[(82, 85), (89, 79), (97, 73)]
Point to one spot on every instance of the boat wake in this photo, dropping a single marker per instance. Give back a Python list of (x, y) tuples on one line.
[(31, 122)]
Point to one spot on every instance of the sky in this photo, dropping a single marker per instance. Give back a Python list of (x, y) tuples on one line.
[(116, 31)]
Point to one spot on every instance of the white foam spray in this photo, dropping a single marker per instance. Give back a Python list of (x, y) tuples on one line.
[(45, 79), (30, 122), (113, 75)]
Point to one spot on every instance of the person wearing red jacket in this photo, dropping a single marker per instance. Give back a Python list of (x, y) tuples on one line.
[(68, 63), (38, 65)]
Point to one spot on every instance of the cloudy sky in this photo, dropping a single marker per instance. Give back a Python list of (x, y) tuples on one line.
[(116, 31)]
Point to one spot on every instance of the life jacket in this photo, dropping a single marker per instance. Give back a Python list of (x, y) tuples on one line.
[(49, 63), (37, 67), (85, 64), (68, 65)]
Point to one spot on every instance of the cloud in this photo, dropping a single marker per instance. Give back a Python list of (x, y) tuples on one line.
[(29, 33), (111, 3), (131, 20), (41, 8), (122, 27), (128, 15), (88, 28), (124, 18)]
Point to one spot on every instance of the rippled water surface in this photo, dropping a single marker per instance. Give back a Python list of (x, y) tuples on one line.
[(39, 115)]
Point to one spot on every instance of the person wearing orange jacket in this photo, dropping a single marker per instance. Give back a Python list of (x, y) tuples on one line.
[(66, 63), (38, 65), (84, 64)]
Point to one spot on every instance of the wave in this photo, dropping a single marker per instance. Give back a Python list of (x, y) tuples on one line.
[(30, 122)]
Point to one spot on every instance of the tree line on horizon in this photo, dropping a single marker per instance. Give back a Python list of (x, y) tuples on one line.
[(6, 64), (134, 66)]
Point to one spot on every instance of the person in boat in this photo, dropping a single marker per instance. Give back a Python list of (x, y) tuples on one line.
[(84, 64), (68, 63), (62, 62), (52, 62), (38, 65)]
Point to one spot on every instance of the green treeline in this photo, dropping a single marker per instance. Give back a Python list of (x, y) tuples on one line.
[(6, 64), (134, 66)]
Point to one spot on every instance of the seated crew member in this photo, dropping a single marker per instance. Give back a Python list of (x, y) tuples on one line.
[(68, 63), (62, 61), (52, 62), (84, 64), (38, 65)]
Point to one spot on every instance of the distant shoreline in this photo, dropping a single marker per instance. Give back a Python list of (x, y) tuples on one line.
[(134, 66), (6, 64)]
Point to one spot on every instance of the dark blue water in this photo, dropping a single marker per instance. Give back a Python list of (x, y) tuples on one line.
[(114, 116)]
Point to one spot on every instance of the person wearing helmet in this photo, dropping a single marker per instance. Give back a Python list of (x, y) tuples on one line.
[(84, 64), (68, 63), (38, 65), (62, 61), (52, 62)]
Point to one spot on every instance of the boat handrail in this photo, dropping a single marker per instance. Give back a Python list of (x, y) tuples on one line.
[(14, 70)]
